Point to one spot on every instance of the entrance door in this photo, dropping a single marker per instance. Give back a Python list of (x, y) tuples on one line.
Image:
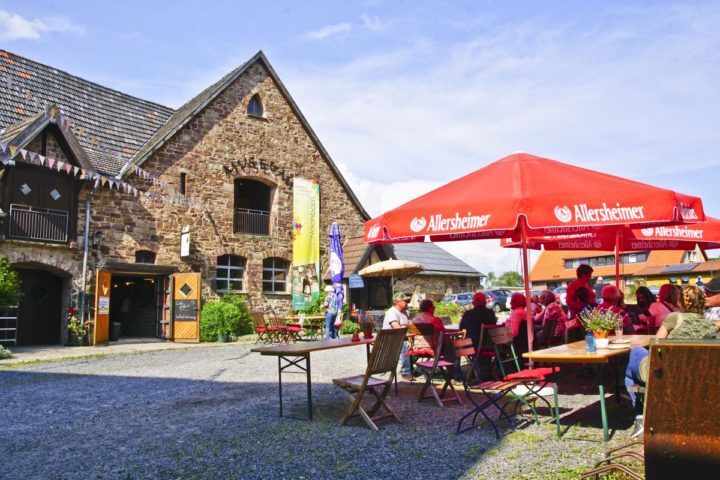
[(101, 332), (40, 312), (186, 307)]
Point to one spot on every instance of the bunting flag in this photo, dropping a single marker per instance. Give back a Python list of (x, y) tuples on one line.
[(51, 162), (75, 171)]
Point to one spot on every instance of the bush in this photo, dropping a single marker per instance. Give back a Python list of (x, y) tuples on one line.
[(5, 353), (246, 322), (9, 284), (449, 310), (218, 318)]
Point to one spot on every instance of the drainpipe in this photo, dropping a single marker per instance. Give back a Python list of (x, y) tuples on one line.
[(86, 246)]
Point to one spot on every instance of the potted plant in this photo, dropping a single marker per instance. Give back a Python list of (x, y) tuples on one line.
[(76, 329), (600, 323), (367, 325)]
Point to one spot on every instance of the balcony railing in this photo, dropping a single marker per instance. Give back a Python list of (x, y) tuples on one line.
[(254, 222), (42, 224)]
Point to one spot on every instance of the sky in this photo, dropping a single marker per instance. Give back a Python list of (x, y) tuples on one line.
[(408, 95)]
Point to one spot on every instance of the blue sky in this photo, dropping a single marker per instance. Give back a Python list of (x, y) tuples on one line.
[(407, 95)]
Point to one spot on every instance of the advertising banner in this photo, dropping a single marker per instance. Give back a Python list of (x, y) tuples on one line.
[(306, 242)]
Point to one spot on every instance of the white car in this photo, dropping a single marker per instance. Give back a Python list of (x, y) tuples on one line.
[(561, 295)]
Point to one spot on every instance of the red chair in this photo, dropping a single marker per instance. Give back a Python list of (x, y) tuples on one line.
[(261, 329)]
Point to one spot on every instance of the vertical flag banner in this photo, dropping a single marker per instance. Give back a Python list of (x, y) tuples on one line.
[(306, 242)]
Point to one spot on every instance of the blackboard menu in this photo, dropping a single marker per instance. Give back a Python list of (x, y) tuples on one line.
[(185, 309)]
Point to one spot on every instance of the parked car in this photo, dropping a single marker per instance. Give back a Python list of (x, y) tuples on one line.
[(462, 299), (561, 295), (654, 289), (498, 300)]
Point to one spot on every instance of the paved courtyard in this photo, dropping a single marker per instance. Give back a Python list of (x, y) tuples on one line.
[(211, 412)]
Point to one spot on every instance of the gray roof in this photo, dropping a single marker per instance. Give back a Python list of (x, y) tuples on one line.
[(114, 125), (434, 259)]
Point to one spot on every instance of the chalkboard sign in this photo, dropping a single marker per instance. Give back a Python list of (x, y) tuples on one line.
[(185, 309)]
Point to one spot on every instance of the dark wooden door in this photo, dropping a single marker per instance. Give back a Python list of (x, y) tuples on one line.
[(40, 313)]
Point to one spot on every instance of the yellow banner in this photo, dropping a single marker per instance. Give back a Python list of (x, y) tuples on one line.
[(306, 242)]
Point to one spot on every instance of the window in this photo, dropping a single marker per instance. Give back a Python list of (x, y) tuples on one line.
[(275, 275), (252, 207), (230, 274), (144, 256), (255, 107), (183, 182)]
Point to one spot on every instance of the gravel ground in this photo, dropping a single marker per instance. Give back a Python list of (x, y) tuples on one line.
[(212, 413)]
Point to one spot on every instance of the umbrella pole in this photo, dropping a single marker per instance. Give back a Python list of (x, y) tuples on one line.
[(526, 281), (618, 239)]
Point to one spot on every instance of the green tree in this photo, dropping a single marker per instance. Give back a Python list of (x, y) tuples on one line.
[(510, 279), (9, 284), (490, 280)]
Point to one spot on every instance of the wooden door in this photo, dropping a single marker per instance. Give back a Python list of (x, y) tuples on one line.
[(163, 304), (186, 307), (101, 330)]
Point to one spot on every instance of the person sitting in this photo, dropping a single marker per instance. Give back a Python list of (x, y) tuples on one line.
[(552, 311), (517, 323), (640, 313), (666, 303), (611, 302), (427, 317), (712, 299), (579, 296), (688, 323), (473, 319), (395, 317)]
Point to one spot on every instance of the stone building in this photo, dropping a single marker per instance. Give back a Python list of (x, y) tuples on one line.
[(222, 166)]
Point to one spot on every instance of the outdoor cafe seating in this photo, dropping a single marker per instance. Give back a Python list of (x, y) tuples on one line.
[(441, 364)]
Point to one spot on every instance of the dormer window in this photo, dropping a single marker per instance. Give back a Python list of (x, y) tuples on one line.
[(255, 108)]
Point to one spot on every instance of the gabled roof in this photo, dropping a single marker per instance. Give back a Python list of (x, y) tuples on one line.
[(192, 108), (111, 126), (550, 265), (356, 253), (435, 260), (21, 134), (680, 268)]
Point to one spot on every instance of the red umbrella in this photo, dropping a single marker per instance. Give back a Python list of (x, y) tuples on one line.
[(705, 235), (522, 195)]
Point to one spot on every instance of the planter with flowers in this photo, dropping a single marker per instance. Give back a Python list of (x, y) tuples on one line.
[(367, 325), (76, 329), (600, 323)]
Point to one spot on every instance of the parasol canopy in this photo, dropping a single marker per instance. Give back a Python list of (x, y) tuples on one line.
[(389, 268)]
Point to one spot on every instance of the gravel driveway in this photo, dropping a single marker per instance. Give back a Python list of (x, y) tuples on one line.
[(212, 413)]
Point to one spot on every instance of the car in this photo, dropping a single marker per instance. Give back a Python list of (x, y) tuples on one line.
[(497, 299), (654, 289), (462, 299), (561, 295)]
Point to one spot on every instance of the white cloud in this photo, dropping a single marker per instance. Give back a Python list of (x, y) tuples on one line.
[(329, 31), (372, 22), (15, 27), (627, 99)]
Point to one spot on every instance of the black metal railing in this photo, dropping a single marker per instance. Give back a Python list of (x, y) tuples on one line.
[(254, 222), (34, 223)]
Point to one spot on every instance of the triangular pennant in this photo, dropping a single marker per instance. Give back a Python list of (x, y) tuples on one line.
[(103, 181), (68, 168), (3, 147), (23, 153), (75, 170), (42, 160), (51, 162), (13, 150), (97, 183), (2, 172), (32, 156), (60, 165)]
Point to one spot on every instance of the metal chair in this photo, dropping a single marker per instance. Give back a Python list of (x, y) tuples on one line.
[(383, 359)]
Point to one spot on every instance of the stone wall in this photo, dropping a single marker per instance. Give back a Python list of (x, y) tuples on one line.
[(434, 285)]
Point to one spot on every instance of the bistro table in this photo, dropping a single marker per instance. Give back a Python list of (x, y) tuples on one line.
[(600, 360), (313, 325), (290, 360)]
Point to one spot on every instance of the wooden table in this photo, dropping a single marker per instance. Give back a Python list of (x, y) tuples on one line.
[(575, 353), (312, 324), (290, 356)]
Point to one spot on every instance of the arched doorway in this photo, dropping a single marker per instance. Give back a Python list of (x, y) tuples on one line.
[(40, 312)]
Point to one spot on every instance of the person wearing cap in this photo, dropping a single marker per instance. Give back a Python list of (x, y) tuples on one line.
[(473, 319), (395, 317), (712, 299)]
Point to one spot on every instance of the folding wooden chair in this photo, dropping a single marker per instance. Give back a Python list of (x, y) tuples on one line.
[(421, 338), (485, 396), (546, 336), (535, 383), (430, 368), (383, 359), (261, 329)]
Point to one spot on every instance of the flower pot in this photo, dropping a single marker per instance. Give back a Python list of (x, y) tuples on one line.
[(601, 338), (355, 337), (222, 338), (79, 340), (368, 333)]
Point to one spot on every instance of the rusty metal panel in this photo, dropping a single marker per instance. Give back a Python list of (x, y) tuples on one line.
[(682, 417)]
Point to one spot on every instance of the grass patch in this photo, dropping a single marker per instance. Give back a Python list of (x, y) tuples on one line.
[(30, 363)]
